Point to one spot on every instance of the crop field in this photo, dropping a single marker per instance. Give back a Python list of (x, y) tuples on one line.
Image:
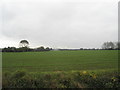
[(61, 69), (60, 60)]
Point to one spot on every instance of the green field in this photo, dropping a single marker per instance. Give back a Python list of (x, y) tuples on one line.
[(60, 60)]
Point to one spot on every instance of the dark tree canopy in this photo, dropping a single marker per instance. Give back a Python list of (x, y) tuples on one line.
[(40, 48), (24, 43)]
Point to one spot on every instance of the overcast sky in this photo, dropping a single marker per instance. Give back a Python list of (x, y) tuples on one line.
[(58, 23)]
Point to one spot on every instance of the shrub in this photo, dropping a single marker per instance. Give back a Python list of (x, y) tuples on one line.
[(22, 79)]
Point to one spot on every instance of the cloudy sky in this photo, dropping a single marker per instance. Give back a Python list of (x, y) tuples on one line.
[(58, 23)]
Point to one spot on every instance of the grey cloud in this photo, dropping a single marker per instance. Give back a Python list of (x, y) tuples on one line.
[(63, 24)]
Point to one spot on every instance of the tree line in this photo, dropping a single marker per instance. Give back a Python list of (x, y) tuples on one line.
[(111, 46), (24, 47), (105, 46)]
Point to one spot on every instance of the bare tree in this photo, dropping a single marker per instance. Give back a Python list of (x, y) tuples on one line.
[(117, 45), (111, 45), (108, 45)]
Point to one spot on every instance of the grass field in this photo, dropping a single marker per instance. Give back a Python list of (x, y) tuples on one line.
[(61, 60)]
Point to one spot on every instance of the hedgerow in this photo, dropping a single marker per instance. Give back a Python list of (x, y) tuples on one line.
[(83, 79)]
